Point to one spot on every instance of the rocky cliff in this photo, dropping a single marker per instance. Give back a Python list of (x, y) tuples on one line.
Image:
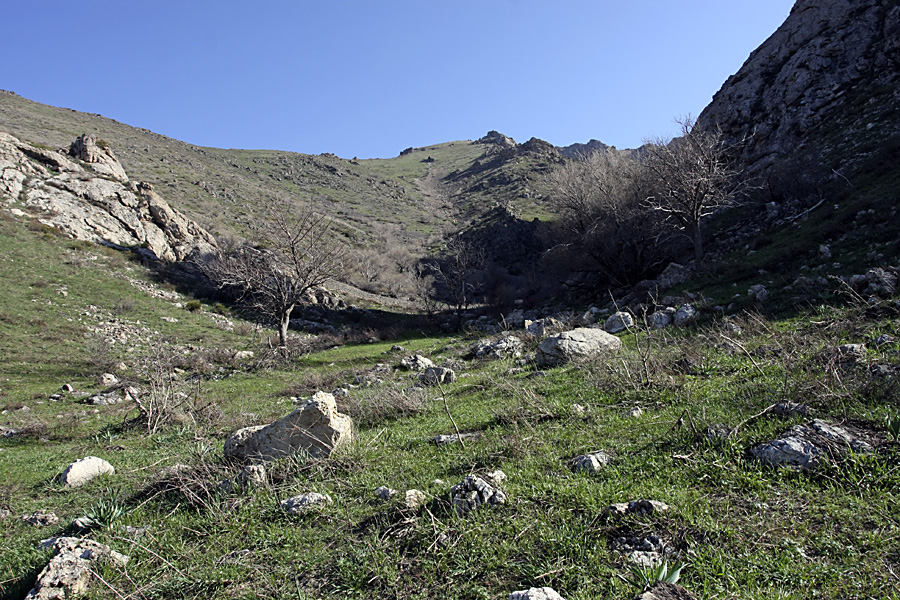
[(84, 192), (824, 84)]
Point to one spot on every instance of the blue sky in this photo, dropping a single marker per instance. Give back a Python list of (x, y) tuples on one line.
[(370, 78)]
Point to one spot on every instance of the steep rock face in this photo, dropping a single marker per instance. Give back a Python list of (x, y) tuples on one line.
[(90, 198), (825, 82)]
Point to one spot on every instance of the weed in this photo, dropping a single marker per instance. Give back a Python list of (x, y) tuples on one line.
[(645, 577)]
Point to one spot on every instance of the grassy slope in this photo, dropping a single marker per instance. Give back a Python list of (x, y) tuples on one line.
[(747, 531)]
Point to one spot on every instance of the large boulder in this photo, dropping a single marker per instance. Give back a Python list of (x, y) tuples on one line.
[(580, 343), (316, 427), (84, 470)]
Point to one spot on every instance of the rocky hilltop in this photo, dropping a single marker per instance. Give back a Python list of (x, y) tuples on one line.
[(826, 82), (84, 192)]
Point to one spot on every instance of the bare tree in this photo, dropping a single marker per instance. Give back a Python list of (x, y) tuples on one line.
[(454, 276), (694, 176), (608, 228), (297, 250)]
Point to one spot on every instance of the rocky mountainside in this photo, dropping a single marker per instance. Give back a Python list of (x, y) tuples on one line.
[(825, 83), (84, 192)]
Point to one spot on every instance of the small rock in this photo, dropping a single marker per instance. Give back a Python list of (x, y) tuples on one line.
[(305, 502), (67, 387), (84, 470), (472, 493), (108, 379), (618, 322), (635, 412), (592, 463), (660, 319), (543, 593), (578, 410), (452, 438), (684, 314), (243, 355), (71, 569), (416, 362), (384, 492), (41, 519), (252, 476), (791, 409), (415, 499), (638, 507), (438, 375)]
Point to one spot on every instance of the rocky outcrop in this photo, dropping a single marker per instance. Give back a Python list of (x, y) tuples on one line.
[(90, 198), (827, 79), (316, 427)]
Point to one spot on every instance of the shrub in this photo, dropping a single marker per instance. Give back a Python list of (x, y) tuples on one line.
[(194, 305)]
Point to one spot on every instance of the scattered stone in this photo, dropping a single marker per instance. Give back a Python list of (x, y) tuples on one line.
[(634, 413), (636, 507), (70, 570), (660, 319), (881, 283), (852, 351), (415, 499), (543, 593), (543, 327), (581, 343), (305, 502), (884, 339), (472, 493), (438, 375), (791, 409), (84, 470), (41, 519), (452, 438), (243, 355), (684, 314), (758, 292), (674, 274), (108, 379), (508, 346), (416, 362), (592, 463), (618, 322), (496, 477), (805, 447), (252, 476), (316, 427), (384, 493)]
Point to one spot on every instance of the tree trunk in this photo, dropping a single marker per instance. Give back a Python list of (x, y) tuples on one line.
[(697, 236), (283, 326)]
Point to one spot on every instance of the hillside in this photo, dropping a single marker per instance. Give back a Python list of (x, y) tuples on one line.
[(735, 421)]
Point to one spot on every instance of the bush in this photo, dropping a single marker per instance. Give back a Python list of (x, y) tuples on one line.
[(194, 305)]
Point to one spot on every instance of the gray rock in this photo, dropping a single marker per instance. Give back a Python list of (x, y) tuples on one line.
[(542, 593), (99, 157), (635, 507), (252, 476), (416, 362), (108, 379), (472, 493), (635, 412), (881, 282), (452, 438), (305, 502), (591, 463), (791, 409), (684, 314), (384, 492), (41, 519), (618, 322), (806, 447), (316, 427), (438, 375), (660, 319), (69, 572), (84, 470), (673, 275), (578, 344), (508, 346), (758, 292), (543, 327)]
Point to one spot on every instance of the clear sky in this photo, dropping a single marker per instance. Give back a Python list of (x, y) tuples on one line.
[(369, 78)]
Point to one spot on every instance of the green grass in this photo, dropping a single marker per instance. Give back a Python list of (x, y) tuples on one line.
[(745, 530)]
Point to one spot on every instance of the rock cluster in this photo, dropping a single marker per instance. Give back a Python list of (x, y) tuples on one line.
[(472, 493)]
